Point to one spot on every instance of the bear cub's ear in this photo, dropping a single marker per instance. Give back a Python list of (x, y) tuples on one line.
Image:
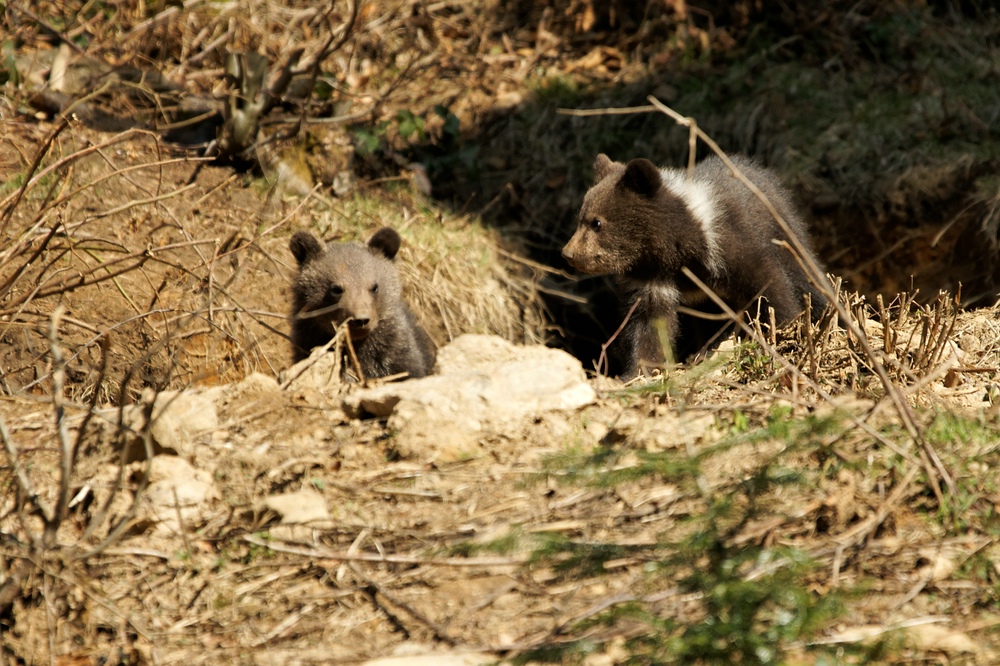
[(386, 241), (642, 177), (305, 247), (602, 167)]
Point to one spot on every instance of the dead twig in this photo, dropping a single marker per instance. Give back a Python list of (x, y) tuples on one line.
[(31, 181), (24, 483), (66, 448), (602, 360), (376, 590), (321, 554), (11, 202), (160, 18), (126, 520), (857, 534)]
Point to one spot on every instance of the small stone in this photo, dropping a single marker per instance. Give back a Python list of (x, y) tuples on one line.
[(304, 506), (179, 417), (177, 493)]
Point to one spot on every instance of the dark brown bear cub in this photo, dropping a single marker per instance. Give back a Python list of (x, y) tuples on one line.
[(644, 224), (358, 284)]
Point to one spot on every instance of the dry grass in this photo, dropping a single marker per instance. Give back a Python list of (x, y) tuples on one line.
[(192, 277), (87, 215), (433, 555)]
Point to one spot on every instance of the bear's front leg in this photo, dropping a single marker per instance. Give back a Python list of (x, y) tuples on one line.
[(639, 347)]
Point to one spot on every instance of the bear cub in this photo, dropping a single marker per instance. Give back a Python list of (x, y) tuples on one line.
[(358, 284), (643, 224)]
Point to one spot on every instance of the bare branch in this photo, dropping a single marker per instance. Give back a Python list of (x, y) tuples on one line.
[(65, 447), (24, 484), (10, 203)]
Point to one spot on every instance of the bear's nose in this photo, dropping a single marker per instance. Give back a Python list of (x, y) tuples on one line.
[(358, 322), (567, 254)]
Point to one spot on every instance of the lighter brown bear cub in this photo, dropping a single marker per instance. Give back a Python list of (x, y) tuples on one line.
[(358, 284), (643, 224)]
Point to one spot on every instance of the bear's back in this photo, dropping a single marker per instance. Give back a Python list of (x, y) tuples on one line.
[(743, 213)]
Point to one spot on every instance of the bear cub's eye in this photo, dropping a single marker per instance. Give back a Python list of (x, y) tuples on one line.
[(335, 291), (375, 288), (595, 224)]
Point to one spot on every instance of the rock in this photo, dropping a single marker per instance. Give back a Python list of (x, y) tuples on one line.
[(255, 385), (923, 635), (177, 492), (671, 431), (942, 561), (942, 639), (484, 385), (179, 418), (304, 506), (320, 373), (254, 394)]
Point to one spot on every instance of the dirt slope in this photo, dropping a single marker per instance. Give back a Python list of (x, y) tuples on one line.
[(826, 493)]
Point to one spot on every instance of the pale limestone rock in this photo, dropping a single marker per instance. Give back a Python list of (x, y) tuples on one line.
[(942, 639), (320, 372), (179, 419), (672, 431), (304, 506), (484, 385), (177, 492), (254, 386)]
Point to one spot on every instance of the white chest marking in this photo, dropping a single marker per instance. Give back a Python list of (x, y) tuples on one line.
[(699, 197), (659, 294), (667, 293)]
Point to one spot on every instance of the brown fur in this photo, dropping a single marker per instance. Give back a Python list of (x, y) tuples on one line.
[(636, 224), (358, 284)]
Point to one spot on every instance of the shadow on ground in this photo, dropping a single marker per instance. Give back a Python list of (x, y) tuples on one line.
[(882, 119)]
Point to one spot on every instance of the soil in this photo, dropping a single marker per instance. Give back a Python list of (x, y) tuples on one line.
[(424, 552)]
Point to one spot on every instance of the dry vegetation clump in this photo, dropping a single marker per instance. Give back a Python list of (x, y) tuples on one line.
[(187, 276), (208, 302), (924, 350), (908, 339)]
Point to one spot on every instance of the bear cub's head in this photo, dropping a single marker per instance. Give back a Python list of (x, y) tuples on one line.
[(345, 282), (614, 225)]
